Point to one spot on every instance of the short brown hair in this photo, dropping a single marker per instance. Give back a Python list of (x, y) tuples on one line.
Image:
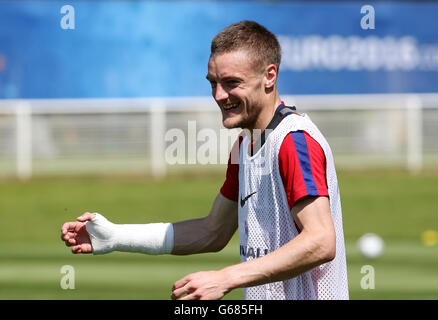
[(249, 35)]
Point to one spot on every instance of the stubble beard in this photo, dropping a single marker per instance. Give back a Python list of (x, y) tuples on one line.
[(244, 123)]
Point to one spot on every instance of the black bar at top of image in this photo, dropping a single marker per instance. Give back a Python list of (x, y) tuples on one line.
[(255, 1)]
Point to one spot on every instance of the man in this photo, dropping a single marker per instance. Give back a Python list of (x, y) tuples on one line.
[(280, 191)]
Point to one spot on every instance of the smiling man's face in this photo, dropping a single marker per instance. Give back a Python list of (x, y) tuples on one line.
[(238, 88)]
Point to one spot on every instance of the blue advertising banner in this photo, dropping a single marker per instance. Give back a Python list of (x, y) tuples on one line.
[(85, 49)]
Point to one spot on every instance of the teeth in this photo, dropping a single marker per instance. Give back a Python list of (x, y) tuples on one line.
[(230, 106)]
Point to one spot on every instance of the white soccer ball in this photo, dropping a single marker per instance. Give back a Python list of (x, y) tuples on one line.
[(370, 245)]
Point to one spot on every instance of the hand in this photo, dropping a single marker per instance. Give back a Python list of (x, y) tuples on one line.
[(204, 285), (75, 234)]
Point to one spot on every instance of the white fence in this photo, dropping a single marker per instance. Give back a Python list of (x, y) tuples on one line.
[(133, 136)]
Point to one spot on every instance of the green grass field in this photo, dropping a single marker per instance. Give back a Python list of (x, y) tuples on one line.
[(393, 204)]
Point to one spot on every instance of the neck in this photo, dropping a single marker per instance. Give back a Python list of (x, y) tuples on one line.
[(265, 116)]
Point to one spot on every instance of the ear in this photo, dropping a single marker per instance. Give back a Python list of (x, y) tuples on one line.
[(270, 76)]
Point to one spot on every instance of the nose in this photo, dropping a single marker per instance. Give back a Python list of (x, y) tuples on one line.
[(220, 93)]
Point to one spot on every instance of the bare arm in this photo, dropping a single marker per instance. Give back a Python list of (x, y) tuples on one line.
[(209, 234), (315, 245)]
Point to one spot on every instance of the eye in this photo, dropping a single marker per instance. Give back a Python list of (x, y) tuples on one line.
[(213, 84), (233, 83)]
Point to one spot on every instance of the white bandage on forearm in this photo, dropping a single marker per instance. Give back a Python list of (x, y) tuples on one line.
[(152, 238)]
